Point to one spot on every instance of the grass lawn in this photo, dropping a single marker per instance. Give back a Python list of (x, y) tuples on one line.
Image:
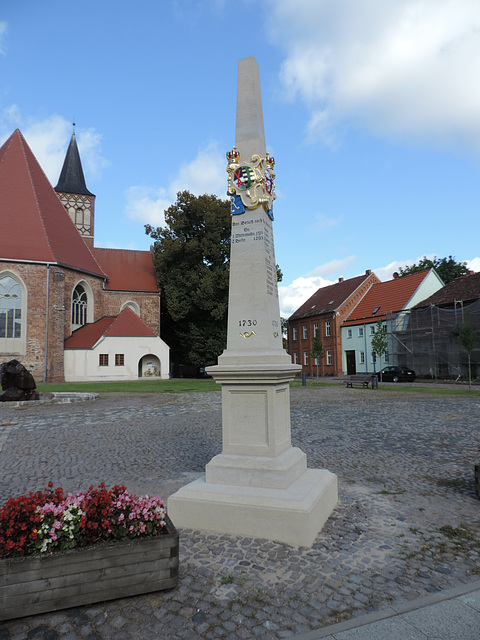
[(135, 386), (182, 385)]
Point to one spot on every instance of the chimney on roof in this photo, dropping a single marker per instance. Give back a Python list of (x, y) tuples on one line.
[(340, 279), (395, 275), (368, 272)]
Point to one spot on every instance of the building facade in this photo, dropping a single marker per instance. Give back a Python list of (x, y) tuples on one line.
[(323, 314), (54, 283), (387, 302)]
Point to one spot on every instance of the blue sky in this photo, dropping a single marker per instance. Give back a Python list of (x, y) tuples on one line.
[(371, 108)]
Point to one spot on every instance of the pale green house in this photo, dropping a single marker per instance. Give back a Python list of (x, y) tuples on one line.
[(382, 301)]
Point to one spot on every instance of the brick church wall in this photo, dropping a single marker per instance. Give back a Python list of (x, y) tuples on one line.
[(34, 277), (147, 301)]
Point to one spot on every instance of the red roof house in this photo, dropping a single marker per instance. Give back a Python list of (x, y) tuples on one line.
[(323, 312)]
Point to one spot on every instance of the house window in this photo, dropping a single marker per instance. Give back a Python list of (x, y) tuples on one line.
[(295, 358), (10, 308), (295, 333), (79, 306), (360, 332), (119, 359), (329, 356), (305, 332), (362, 357), (317, 361), (327, 328), (305, 357), (372, 330), (349, 333), (315, 329), (103, 359)]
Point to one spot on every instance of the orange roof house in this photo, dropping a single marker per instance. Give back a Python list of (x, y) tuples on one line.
[(323, 312), (54, 282), (383, 301)]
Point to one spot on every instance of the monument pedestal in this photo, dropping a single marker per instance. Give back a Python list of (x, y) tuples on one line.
[(259, 486)]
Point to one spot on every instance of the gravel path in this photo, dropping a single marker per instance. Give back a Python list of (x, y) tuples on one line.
[(407, 522)]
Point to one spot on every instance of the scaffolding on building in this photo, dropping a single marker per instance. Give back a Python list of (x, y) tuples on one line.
[(426, 340)]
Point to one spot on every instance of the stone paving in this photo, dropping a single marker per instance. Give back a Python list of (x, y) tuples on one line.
[(407, 523)]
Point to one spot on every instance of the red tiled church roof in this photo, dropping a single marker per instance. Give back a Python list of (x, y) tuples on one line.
[(385, 297), (127, 270), (329, 298), (34, 224), (127, 324)]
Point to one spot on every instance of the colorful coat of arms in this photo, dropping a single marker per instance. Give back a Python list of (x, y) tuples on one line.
[(251, 184)]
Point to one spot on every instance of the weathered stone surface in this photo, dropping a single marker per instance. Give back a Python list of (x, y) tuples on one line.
[(14, 374), (17, 383)]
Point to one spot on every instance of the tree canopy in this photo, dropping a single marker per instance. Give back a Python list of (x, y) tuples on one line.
[(191, 257), (447, 268)]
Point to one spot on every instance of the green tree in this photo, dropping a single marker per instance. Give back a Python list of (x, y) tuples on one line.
[(191, 257), (467, 338), (317, 348), (379, 341), (447, 268)]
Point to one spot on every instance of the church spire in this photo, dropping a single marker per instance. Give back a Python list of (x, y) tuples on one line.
[(72, 191), (71, 178)]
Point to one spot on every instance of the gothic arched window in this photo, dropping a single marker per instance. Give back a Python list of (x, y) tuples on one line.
[(10, 308), (79, 306), (13, 314)]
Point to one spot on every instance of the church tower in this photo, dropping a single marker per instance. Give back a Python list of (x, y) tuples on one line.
[(78, 201)]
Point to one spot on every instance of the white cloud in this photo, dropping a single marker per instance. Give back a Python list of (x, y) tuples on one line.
[(204, 174), (295, 294), (147, 205), (407, 68), (474, 264), (386, 273), (3, 31), (324, 223), (48, 139), (332, 267)]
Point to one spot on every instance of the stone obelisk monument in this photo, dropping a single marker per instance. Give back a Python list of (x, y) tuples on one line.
[(259, 485)]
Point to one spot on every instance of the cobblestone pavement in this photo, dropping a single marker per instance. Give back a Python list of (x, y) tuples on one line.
[(407, 523)]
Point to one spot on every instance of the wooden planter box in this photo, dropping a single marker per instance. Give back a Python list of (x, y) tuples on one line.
[(37, 584)]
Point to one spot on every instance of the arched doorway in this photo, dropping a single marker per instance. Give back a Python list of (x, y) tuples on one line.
[(149, 366)]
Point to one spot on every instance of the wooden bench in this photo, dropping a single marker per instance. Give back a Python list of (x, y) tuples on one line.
[(359, 380)]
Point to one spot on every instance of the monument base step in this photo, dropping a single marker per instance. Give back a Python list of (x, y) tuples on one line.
[(294, 515)]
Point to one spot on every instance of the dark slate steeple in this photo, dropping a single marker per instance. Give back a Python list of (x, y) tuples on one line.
[(71, 178)]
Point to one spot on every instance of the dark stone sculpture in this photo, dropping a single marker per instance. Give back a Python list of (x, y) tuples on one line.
[(17, 383)]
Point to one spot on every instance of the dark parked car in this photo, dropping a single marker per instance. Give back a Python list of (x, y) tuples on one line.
[(397, 374)]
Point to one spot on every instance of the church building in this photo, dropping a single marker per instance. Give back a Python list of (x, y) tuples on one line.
[(68, 310)]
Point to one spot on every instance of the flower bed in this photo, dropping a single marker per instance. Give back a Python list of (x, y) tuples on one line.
[(62, 551)]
